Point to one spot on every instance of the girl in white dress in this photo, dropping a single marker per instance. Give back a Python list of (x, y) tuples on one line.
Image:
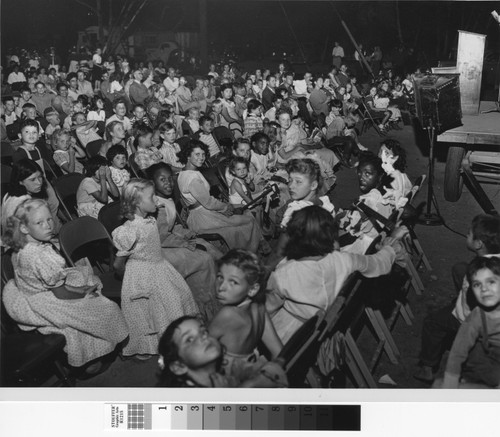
[(153, 292), (53, 298)]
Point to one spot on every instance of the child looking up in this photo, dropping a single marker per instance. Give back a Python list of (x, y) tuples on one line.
[(475, 355), (86, 131), (153, 292), (191, 357), (170, 148), (441, 326), (66, 151), (54, 298), (96, 189), (243, 321), (117, 157)]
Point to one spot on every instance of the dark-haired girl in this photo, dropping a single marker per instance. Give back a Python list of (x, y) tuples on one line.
[(313, 272)]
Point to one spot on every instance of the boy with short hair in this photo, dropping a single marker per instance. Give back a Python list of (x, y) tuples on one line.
[(191, 125), (29, 136), (10, 110), (170, 148), (26, 97), (139, 113), (206, 136), (120, 110), (440, 327)]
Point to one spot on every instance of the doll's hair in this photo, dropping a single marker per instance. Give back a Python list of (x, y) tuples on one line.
[(186, 151), (12, 235), (131, 196), (312, 231), (395, 147), (252, 267), (308, 167)]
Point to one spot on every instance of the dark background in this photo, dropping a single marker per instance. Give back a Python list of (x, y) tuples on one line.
[(257, 28)]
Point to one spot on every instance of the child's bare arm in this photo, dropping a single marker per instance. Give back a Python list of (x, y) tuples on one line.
[(219, 326), (270, 337), (236, 186), (119, 264)]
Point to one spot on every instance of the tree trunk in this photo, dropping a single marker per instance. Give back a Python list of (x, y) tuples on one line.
[(398, 24), (100, 23)]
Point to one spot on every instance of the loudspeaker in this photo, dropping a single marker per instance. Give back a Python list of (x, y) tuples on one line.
[(437, 101)]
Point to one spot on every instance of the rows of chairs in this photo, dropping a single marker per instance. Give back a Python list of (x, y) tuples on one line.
[(325, 347)]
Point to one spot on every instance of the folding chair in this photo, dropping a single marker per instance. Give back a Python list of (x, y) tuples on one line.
[(66, 187), (52, 171), (27, 358), (109, 216), (343, 322), (86, 237), (182, 141), (299, 352), (92, 148), (6, 153), (369, 119), (6, 171), (218, 188)]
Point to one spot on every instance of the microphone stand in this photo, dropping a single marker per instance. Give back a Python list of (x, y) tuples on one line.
[(430, 218)]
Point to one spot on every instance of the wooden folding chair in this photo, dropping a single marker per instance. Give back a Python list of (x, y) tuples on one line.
[(109, 216), (343, 322), (92, 148)]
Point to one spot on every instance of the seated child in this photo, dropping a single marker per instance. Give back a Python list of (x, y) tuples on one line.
[(147, 154), (474, 358), (69, 121), (191, 357), (66, 151), (358, 230), (240, 190), (216, 113), (153, 293), (206, 136), (312, 273), (192, 257), (96, 110), (253, 122), (140, 116), (52, 117), (169, 148), (96, 189), (394, 162), (86, 131), (53, 298), (191, 124), (441, 326), (117, 157), (243, 322)]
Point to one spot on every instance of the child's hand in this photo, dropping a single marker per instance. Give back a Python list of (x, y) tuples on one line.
[(108, 172), (102, 172), (190, 245), (219, 380)]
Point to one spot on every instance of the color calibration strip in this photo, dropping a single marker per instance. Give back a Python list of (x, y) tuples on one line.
[(139, 416)]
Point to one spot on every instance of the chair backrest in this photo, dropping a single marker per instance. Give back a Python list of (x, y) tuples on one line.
[(299, 341), (109, 216), (217, 188), (66, 187), (137, 172), (182, 141), (92, 148), (80, 237), (6, 172), (52, 172), (221, 132), (7, 267)]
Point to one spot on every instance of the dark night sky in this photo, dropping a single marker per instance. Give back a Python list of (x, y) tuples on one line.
[(261, 24)]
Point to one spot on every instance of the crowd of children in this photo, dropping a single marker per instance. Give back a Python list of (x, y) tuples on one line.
[(219, 316)]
